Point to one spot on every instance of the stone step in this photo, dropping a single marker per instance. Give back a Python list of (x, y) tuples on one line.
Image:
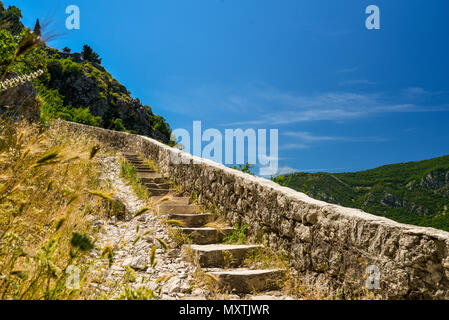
[(153, 185), (144, 170), (134, 160), (127, 154), (172, 200), (151, 175), (221, 255), (143, 167), (206, 235), (192, 220), (136, 163), (248, 281), (146, 180), (161, 192), (166, 208)]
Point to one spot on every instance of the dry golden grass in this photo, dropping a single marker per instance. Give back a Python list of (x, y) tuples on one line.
[(45, 178)]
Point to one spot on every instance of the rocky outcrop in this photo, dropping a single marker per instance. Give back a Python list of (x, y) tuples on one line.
[(340, 247), (436, 180), (87, 84), (20, 102)]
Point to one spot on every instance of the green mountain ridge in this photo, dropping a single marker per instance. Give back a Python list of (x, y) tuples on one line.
[(413, 192)]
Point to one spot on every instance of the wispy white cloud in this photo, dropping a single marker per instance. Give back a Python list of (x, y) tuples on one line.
[(333, 106), (260, 104), (348, 70), (294, 146), (416, 92), (346, 83), (307, 137), (413, 91)]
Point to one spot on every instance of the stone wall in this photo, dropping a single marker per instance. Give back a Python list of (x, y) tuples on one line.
[(323, 241)]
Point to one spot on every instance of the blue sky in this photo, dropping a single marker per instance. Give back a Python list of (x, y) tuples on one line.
[(344, 98)]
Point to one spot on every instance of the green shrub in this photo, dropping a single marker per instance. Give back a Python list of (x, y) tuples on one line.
[(159, 124), (129, 172), (118, 125), (53, 104), (62, 68), (83, 116), (53, 107), (7, 46), (239, 236), (246, 168)]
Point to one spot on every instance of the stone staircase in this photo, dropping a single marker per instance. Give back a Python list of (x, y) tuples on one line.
[(222, 261)]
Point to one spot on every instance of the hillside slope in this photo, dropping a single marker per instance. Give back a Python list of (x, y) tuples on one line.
[(414, 192), (73, 86)]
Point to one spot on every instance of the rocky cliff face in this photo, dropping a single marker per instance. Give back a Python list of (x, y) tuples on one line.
[(87, 84), (20, 102), (436, 180)]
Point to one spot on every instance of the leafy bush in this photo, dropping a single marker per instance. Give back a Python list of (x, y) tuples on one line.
[(118, 125), (159, 124), (281, 180), (60, 68), (239, 235), (53, 103), (246, 168), (8, 45), (83, 116), (53, 107)]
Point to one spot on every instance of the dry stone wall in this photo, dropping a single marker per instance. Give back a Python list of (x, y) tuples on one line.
[(324, 242)]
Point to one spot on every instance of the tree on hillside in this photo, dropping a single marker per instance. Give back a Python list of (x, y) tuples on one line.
[(10, 19), (89, 54), (15, 12)]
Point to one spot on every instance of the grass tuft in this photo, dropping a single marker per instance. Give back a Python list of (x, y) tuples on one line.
[(129, 172), (141, 211), (47, 157), (175, 222), (153, 261), (238, 236), (93, 152), (102, 195), (163, 244), (45, 212)]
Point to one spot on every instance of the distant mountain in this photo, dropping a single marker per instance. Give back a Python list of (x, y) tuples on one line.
[(414, 192)]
